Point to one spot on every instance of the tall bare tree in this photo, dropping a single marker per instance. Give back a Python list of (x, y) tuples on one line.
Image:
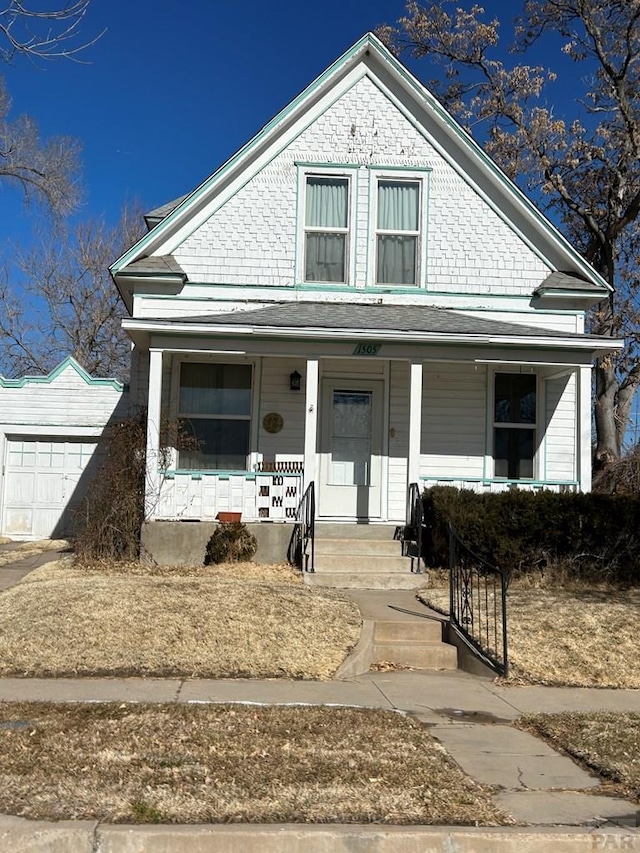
[(581, 159), (58, 299)]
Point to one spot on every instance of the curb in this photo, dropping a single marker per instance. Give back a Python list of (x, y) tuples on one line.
[(23, 836)]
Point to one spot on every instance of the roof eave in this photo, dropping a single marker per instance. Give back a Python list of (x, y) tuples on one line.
[(595, 345)]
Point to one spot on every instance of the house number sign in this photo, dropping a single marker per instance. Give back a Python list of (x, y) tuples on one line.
[(366, 349)]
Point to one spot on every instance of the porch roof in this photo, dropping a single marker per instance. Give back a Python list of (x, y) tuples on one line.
[(325, 319)]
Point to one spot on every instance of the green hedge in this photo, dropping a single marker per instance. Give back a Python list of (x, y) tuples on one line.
[(593, 536)]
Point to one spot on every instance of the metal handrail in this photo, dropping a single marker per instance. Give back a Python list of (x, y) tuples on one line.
[(414, 526), (478, 602), (301, 551)]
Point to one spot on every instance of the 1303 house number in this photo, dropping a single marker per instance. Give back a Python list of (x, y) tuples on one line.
[(366, 349)]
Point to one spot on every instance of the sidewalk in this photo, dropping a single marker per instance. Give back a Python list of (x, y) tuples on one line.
[(470, 716)]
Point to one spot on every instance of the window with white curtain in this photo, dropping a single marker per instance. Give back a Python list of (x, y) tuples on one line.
[(326, 224), (397, 231), (214, 409)]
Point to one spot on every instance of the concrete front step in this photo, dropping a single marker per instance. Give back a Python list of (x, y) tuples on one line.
[(365, 580), (421, 655), (361, 547), (339, 530), (420, 630), (358, 563)]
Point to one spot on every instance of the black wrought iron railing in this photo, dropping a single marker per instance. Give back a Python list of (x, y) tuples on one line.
[(412, 532), (301, 547), (478, 603)]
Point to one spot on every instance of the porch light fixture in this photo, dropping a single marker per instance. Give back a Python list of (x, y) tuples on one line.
[(294, 381)]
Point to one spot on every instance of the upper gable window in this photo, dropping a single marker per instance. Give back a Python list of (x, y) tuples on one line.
[(398, 231), (326, 226)]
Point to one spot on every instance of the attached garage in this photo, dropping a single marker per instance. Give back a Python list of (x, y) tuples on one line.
[(50, 432)]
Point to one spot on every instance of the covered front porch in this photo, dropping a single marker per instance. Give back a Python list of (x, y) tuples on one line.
[(361, 413)]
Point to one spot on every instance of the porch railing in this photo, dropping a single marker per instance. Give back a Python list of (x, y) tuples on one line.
[(301, 547), (412, 533), (478, 603)]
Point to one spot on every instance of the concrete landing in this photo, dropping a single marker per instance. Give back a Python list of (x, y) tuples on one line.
[(398, 630)]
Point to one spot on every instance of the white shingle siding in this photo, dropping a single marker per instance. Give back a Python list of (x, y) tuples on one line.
[(453, 420), (251, 239), (560, 408)]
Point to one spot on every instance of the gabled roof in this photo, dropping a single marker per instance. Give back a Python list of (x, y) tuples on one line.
[(369, 57)]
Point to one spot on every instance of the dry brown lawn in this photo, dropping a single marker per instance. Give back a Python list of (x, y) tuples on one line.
[(230, 763), (22, 550), (608, 743), (576, 637), (209, 622)]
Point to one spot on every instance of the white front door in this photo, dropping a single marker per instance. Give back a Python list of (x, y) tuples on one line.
[(351, 449)]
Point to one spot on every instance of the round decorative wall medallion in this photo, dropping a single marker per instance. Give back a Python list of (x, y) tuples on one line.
[(273, 422)]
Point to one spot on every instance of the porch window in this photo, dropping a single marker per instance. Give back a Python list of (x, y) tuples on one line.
[(514, 425), (215, 408), (398, 232), (326, 228)]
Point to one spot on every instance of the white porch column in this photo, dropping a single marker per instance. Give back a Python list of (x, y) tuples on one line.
[(311, 422), (415, 422), (583, 429), (152, 489)]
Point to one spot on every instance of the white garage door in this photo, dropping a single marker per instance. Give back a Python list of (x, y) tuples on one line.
[(45, 481)]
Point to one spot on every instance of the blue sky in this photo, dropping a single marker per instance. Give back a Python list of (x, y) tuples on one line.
[(173, 89)]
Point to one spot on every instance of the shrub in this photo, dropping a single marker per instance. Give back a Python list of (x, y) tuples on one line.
[(230, 543), (597, 537), (108, 522)]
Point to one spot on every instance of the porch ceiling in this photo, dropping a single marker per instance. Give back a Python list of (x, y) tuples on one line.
[(323, 320)]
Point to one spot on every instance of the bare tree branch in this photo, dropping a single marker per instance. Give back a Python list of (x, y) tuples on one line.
[(49, 33)]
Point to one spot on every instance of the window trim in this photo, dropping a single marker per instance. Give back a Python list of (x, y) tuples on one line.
[(410, 175), (197, 358), (492, 424), (350, 174)]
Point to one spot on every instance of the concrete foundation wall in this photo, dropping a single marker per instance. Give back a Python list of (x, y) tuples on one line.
[(183, 543)]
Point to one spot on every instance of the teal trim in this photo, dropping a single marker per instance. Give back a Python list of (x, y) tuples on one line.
[(51, 377), (491, 480), (397, 168), (224, 475), (324, 164)]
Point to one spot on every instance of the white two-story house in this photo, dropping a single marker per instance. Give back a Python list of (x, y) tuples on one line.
[(359, 299)]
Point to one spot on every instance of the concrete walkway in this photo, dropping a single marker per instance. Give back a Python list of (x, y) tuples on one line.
[(469, 715)]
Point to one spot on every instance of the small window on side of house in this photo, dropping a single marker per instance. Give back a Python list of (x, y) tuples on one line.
[(326, 227), (514, 426)]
